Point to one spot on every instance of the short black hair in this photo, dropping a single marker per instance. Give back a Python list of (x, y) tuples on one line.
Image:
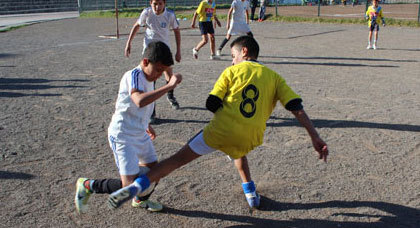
[(157, 51), (250, 43)]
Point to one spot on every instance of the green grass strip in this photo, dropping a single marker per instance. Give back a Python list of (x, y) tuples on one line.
[(12, 28)]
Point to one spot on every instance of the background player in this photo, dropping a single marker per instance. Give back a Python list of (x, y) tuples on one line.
[(206, 11), (375, 16), (158, 21), (129, 133), (239, 22), (242, 100)]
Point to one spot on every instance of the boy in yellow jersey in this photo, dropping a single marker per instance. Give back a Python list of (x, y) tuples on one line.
[(206, 11), (375, 16), (242, 100)]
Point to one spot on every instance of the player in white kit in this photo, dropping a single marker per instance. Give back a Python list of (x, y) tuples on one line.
[(239, 25)]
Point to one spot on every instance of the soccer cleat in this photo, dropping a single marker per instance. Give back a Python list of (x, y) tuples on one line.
[(253, 199), (218, 52), (117, 198), (147, 204), (82, 196), (214, 57), (195, 53), (173, 102), (374, 46)]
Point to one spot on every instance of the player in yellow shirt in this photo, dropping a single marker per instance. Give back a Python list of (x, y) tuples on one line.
[(206, 12), (242, 100), (375, 16)]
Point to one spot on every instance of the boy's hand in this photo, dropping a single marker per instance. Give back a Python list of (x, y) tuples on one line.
[(175, 80), (151, 132), (383, 24), (178, 56), (127, 50), (193, 25), (321, 147)]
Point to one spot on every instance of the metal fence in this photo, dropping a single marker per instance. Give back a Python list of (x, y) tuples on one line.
[(397, 9)]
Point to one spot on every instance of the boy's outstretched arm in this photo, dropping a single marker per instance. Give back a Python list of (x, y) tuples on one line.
[(319, 145), (193, 20), (133, 32), (142, 99), (177, 34)]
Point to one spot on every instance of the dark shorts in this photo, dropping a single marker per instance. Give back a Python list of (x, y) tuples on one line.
[(373, 27), (206, 27)]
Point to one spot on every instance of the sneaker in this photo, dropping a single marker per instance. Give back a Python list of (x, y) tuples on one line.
[(173, 102), (218, 53), (82, 196), (195, 53), (147, 204), (214, 57), (253, 199), (117, 198), (369, 47), (374, 46)]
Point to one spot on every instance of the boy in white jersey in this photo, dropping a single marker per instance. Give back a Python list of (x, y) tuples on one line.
[(158, 21), (242, 100), (238, 24), (129, 133)]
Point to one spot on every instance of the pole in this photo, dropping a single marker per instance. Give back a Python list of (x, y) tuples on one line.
[(367, 5), (319, 7), (277, 14), (418, 14), (116, 17)]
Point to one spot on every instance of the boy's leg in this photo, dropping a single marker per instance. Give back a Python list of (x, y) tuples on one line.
[(194, 149), (142, 200), (376, 38), (212, 46), (170, 95), (248, 185), (224, 42), (203, 42), (370, 38)]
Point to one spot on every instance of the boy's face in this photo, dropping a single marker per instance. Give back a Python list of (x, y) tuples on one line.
[(153, 70), (238, 54), (375, 3), (158, 6)]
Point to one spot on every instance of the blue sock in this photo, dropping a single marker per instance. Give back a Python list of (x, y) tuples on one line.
[(248, 187), (142, 183)]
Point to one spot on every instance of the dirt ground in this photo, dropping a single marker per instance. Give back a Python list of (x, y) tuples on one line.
[(58, 86)]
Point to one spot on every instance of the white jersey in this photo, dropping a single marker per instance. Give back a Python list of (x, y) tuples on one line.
[(157, 26), (129, 120), (238, 25), (239, 10)]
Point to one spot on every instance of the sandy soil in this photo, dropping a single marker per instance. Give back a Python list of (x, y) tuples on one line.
[(58, 85)]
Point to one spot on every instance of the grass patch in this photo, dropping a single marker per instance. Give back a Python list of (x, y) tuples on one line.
[(12, 28)]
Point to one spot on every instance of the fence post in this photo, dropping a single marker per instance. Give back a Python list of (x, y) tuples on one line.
[(418, 14), (319, 7), (277, 14), (367, 5)]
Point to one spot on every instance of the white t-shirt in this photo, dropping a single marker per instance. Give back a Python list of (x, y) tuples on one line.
[(129, 120), (239, 10), (157, 26)]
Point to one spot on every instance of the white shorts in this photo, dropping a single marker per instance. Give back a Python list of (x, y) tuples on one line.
[(239, 28), (198, 145), (130, 153)]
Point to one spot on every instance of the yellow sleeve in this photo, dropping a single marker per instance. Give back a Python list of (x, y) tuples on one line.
[(284, 92), (222, 84), (200, 8)]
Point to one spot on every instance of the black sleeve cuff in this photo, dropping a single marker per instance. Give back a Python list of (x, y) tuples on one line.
[(294, 105), (213, 103)]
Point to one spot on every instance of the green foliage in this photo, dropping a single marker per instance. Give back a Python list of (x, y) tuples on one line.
[(11, 28)]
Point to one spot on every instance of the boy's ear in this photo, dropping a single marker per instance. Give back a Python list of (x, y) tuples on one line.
[(244, 52), (145, 62)]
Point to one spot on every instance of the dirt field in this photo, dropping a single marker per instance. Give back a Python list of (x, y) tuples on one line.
[(58, 86)]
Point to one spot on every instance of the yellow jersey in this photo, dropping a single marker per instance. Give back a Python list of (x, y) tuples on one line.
[(375, 15), (249, 91), (206, 11)]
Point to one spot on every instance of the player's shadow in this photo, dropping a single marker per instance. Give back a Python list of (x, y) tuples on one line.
[(7, 55), (33, 84), (173, 121), (328, 64), (342, 58), (322, 123), (192, 108), (401, 49), (391, 215), (15, 175), (307, 35)]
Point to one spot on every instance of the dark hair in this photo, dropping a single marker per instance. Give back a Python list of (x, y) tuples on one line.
[(157, 51), (250, 43)]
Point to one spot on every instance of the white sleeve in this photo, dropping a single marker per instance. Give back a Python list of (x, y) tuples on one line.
[(135, 82), (173, 21), (142, 19)]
